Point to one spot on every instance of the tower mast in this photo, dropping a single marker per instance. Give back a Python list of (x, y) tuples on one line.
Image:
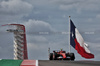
[(69, 36)]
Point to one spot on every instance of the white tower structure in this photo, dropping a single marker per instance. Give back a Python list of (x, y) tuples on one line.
[(20, 45)]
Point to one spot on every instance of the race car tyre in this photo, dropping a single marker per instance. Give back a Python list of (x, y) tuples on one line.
[(51, 56), (72, 56), (55, 56)]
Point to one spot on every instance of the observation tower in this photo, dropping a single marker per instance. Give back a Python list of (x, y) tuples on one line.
[(20, 44)]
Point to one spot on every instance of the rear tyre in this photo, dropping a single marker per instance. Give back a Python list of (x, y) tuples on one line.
[(72, 56), (51, 56), (55, 56)]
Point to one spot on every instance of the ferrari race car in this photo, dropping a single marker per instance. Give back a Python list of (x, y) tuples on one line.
[(61, 55)]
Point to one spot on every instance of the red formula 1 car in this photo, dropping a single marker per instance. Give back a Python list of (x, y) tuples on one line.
[(61, 55)]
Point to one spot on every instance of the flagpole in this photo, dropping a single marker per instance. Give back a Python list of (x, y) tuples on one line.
[(69, 36)]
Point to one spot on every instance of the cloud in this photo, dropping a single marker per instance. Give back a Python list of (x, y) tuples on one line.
[(90, 20), (89, 5), (67, 7), (13, 10), (13, 7), (98, 16), (37, 39), (38, 26)]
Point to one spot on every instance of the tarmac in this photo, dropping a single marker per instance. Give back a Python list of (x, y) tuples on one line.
[(67, 63)]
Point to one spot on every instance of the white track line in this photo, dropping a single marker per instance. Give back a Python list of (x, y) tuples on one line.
[(36, 62)]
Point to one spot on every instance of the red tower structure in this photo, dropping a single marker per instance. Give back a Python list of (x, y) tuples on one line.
[(20, 44)]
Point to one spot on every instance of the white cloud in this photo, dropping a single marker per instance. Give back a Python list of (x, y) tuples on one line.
[(32, 46), (90, 20), (67, 7), (13, 10), (88, 5), (38, 26), (36, 39), (15, 7), (98, 16)]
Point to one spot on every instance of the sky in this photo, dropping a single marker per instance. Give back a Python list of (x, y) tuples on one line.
[(47, 25)]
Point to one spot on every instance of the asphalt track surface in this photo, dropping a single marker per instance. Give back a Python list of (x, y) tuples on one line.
[(68, 63)]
